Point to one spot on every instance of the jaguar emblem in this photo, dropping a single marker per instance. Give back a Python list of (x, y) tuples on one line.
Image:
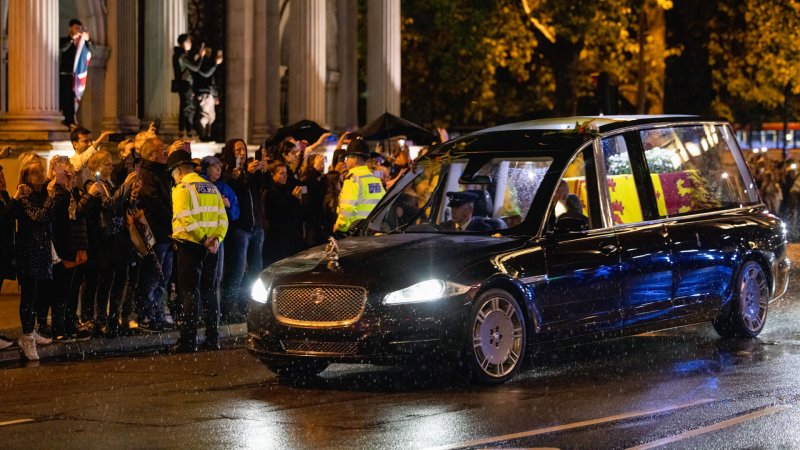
[(318, 296)]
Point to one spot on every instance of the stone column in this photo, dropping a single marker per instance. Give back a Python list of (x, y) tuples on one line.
[(383, 58), (121, 106), (239, 65), (273, 64), (164, 21), (33, 53), (260, 95), (347, 96), (307, 69)]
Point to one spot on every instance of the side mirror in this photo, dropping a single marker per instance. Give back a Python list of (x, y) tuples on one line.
[(571, 225)]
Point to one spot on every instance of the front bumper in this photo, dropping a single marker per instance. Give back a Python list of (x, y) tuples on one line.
[(385, 334)]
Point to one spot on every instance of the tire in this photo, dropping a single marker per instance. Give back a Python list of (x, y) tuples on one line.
[(745, 315), (496, 338), (297, 369)]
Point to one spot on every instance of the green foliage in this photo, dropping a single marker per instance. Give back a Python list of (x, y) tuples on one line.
[(754, 53), (468, 61)]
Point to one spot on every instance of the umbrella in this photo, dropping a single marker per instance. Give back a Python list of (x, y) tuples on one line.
[(304, 130), (388, 126)]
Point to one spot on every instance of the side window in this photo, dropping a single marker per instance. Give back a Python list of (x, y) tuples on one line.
[(570, 208), (622, 194), (694, 170)]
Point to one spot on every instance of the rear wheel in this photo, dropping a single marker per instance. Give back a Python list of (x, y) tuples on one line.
[(496, 336), (746, 313), (296, 368)]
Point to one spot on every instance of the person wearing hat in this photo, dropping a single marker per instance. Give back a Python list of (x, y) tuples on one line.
[(199, 223), (211, 170), (462, 205), (361, 189)]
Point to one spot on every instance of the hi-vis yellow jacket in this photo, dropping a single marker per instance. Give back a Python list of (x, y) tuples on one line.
[(361, 191), (197, 210)]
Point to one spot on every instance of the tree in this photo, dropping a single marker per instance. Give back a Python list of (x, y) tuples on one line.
[(461, 58), (754, 53)]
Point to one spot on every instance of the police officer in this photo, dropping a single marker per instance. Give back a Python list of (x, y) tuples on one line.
[(199, 224), (361, 190)]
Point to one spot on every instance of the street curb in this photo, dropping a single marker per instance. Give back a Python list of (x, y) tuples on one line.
[(233, 334)]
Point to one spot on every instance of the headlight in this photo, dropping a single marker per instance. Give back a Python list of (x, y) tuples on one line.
[(425, 292), (259, 293)]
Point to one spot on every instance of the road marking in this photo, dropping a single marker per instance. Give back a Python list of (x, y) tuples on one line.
[(570, 426), (14, 422), (717, 426)]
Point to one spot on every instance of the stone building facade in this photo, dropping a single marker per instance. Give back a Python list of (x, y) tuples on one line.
[(285, 60)]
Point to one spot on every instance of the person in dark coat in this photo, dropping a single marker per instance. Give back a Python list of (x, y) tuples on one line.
[(34, 248), (8, 212), (184, 65), (69, 245), (152, 195), (313, 210), (68, 46), (7, 227), (283, 214), (245, 238), (108, 244)]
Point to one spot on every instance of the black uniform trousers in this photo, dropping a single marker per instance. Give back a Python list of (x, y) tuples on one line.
[(196, 286), (66, 98)]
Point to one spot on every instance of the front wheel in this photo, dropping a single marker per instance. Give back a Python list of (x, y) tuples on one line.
[(496, 338), (746, 313)]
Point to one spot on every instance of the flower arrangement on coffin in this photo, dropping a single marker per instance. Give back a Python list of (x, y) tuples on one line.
[(586, 130)]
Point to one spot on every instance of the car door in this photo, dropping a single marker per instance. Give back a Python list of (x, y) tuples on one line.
[(699, 178), (646, 266), (581, 295)]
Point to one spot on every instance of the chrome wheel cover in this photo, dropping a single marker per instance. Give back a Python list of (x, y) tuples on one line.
[(497, 337), (754, 297)]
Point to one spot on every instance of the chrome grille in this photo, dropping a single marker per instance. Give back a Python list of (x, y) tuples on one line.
[(318, 306), (320, 348)]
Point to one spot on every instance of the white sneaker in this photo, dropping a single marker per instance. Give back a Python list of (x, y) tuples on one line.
[(27, 343), (41, 340), (4, 344)]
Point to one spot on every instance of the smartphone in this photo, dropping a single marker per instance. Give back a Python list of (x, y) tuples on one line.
[(187, 146), (157, 125), (97, 176), (304, 189), (219, 53)]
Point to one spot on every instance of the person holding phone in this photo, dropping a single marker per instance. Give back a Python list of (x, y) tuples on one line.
[(36, 198), (184, 66), (70, 245), (283, 214), (245, 239)]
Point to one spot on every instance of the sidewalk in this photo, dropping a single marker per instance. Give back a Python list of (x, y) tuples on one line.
[(230, 335)]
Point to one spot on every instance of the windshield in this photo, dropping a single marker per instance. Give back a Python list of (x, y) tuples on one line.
[(462, 195)]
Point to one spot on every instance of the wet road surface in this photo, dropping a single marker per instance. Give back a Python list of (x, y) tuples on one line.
[(683, 388)]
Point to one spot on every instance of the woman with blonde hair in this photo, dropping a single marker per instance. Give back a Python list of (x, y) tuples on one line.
[(34, 248)]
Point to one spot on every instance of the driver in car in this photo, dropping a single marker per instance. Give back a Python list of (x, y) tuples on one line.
[(462, 206)]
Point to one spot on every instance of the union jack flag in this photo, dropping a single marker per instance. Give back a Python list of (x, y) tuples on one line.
[(80, 69)]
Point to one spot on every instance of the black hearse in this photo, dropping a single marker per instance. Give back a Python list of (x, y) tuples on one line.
[(531, 234)]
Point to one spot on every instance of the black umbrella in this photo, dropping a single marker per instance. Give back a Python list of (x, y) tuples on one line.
[(388, 126), (304, 130)]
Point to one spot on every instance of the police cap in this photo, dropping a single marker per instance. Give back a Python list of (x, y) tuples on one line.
[(457, 199), (177, 158), (359, 148)]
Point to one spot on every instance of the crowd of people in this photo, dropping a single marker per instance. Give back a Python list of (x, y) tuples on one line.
[(102, 247), (779, 184)]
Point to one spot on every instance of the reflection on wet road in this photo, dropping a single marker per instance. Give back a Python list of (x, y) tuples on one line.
[(675, 389)]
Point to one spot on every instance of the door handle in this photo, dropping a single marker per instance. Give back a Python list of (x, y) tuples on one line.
[(609, 249)]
